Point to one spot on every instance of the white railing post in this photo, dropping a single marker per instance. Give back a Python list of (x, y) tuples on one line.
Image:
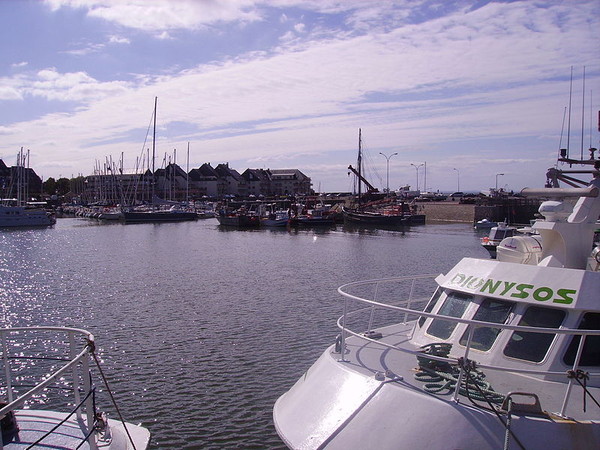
[(471, 329), (75, 373), (7, 371), (373, 308), (89, 402), (570, 383), (343, 343)]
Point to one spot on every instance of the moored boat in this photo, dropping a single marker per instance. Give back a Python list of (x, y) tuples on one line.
[(52, 365), (504, 353), (24, 217), (241, 218), (172, 214)]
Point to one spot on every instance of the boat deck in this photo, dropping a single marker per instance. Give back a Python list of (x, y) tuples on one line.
[(395, 367), (34, 424)]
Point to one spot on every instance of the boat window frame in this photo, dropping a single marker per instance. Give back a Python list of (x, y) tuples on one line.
[(529, 334), (572, 344), (433, 301), (452, 324), (463, 340)]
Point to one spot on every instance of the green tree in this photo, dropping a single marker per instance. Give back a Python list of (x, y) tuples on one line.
[(49, 186), (63, 186)]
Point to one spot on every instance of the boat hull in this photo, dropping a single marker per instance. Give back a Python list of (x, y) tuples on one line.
[(158, 216), (239, 220), (366, 218), (21, 217), (335, 406)]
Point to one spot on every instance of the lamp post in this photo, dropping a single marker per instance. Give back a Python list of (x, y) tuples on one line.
[(498, 175), (387, 160), (417, 167), (457, 179)]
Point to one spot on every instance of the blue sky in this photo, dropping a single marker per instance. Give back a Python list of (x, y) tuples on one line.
[(477, 86)]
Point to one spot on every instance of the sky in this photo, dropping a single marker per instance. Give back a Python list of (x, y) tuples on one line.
[(448, 94)]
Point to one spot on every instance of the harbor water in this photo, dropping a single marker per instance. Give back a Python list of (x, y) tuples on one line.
[(201, 328)]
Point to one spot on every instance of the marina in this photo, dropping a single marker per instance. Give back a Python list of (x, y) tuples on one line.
[(200, 327)]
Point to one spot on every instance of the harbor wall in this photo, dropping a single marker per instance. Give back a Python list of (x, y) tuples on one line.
[(448, 211)]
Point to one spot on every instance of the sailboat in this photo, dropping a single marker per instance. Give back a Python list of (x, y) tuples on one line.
[(157, 210), (16, 212), (382, 212)]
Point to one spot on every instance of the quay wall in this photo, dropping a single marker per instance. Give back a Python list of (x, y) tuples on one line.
[(447, 212)]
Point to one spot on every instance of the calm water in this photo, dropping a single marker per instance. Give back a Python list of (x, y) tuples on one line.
[(202, 328)]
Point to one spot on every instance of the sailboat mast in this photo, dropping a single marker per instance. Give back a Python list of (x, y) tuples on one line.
[(359, 163), (154, 148)]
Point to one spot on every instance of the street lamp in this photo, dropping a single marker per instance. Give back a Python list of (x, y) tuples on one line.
[(417, 167), (457, 179), (498, 175), (387, 158)]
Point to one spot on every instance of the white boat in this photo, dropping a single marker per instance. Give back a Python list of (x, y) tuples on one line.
[(17, 212), (53, 366), (24, 217), (519, 336)]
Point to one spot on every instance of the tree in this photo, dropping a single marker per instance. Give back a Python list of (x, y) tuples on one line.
[(49, 186), (63, 186)]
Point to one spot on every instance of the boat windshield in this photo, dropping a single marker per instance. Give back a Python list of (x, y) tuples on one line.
[(534, 346), (495, 311), (454, 306)]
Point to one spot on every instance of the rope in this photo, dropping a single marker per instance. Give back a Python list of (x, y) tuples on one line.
[(441, 377), (92, 347), (578, 375), (48, 433)]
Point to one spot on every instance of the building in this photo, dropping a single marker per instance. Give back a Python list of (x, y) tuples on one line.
[(290, 182)]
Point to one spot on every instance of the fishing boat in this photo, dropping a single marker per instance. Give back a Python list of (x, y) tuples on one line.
[(240, 218), (386, 212), (50, 398), (278, 219), (505, 352)]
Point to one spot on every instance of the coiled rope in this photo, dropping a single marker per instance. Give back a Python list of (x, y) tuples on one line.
[(441, 377)]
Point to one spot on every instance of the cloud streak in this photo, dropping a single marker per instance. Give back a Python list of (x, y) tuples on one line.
[(437, 86)]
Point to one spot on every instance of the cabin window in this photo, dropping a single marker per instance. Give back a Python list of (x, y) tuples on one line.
[(534, 346), (591, 348), (430, 305), (495, 311), (454, 306)]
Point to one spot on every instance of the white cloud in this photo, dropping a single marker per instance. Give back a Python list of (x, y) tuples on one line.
[(163, 15), (426, 90)]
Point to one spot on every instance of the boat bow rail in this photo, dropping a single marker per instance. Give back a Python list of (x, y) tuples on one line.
[(359, 322), (50, 366)]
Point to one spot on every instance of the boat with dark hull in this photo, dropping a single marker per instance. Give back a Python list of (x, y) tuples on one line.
[(386, 212), (395, 217), (158, 215), (239, 219)]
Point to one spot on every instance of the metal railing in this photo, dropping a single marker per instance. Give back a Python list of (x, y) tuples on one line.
[(472, 325), (77, 363)]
